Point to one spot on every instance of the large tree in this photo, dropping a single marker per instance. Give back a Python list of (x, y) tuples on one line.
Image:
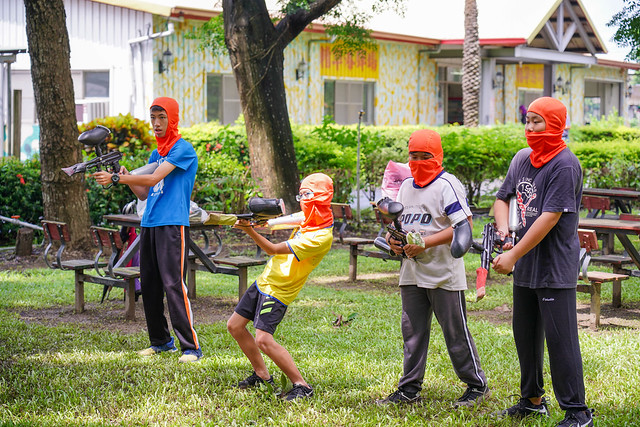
[(64, 199), (471, 65), (256, 49), (628, 32)]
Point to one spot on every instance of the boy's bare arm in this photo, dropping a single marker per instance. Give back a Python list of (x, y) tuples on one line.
[(265, 244), (501, 214)]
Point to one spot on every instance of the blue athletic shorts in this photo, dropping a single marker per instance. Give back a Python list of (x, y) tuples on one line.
[(266, 311)]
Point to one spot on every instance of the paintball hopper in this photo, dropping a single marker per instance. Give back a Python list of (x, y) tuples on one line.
[(94, 137), (389, 208), (263, 209)]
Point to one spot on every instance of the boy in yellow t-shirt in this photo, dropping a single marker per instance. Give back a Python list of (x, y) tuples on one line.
[(266, 301)]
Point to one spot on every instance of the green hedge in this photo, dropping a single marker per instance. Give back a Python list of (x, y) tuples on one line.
[(20, 194), (607, 164)]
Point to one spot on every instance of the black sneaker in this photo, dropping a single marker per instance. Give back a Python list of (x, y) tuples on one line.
[(398, 397), (298, 391), (525, 408), (472, 396), (254, 380), (578, 419)]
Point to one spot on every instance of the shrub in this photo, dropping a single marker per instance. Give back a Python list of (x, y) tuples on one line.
[(229, 140), (607, 164), (127, 132), (20, 194), (222, 183), (480, 155), (610, 128)]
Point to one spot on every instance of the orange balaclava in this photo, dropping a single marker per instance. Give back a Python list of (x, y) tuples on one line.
[(548, 143), (317, 209), (425, 171), (169, 105)]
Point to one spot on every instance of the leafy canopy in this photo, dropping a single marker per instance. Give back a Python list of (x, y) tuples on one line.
[(628, 32), (345, 24)]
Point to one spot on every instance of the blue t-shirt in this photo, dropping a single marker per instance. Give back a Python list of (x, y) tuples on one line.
[(555, 187), (168, 201)]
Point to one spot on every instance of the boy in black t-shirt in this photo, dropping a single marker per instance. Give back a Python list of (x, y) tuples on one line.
[(547, 182)]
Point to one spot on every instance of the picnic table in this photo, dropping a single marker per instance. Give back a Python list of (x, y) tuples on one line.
[(620, 198), (621, 229)]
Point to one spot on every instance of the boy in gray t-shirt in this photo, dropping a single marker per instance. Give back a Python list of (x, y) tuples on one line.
[(431, 279)]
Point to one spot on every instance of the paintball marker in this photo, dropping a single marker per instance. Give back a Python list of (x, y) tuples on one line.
[(260, 211), (492, 243), (110, 161), (392, 211)]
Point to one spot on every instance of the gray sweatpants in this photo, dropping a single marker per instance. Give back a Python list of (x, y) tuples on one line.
[(418, 306)]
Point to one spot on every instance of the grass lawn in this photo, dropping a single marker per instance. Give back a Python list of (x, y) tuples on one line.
[(88, 373)]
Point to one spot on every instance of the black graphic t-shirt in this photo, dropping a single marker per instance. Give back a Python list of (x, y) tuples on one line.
[(555, 187)]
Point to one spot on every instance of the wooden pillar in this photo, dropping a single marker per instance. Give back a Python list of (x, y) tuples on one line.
[(24, 242), (16, 138)]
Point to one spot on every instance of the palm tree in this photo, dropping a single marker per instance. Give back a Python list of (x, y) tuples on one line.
[(470, 65)]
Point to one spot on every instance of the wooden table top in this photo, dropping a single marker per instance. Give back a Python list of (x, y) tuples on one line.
[(605, 224), (612, 192)]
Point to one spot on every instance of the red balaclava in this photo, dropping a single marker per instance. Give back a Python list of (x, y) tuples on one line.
[(425, 171), (548, 143), (169, 105), (317, 210)]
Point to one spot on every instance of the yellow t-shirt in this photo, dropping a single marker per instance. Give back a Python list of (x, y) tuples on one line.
[(284, 275)]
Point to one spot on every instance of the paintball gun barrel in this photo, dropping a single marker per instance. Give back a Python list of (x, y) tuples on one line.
[(95, 137)]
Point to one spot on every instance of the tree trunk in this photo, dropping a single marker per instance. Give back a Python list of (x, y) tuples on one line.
[(471, 65), (64, 198), (257, 58)]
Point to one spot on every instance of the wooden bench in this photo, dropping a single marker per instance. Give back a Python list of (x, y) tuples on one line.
[(103, 237), (617, 262), (596, 205), (342, 214), (595, 279), (235, 266)]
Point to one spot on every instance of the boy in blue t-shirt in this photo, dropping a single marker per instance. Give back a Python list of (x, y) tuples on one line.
[(164, 235)]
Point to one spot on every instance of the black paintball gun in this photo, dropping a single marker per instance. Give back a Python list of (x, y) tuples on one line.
[(391, 210), (94, 138), (260, 211), (492, 244)]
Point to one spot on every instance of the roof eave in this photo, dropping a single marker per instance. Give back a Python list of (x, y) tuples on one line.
[(618, 64), (160, 10)]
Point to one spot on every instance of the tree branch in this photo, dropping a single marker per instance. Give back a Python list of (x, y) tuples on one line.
[(294, 23)]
